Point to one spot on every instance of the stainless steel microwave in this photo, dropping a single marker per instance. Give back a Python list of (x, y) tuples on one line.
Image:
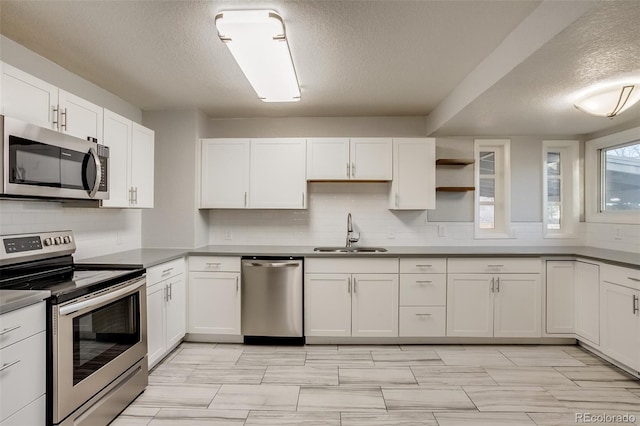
[(40, 162)]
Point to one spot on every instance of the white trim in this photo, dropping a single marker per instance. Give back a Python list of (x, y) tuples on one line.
[(502, 206), (593, 211), (569, 190)]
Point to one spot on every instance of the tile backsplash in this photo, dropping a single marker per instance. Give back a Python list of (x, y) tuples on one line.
[(97, 231)]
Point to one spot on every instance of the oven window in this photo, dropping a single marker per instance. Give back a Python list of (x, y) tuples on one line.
[(101, 335)]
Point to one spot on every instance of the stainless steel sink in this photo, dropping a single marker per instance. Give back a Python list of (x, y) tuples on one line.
[(350, 249)]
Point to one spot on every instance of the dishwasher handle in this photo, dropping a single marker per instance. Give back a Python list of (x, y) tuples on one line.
[(275, 264)]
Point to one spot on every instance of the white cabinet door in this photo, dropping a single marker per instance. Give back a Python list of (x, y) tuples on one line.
[(374, 305), (327, 305), (414, 175), (156, 332), (224, 181), (469, 305), (588, 302), (214, 303), (28, 98), (621, 324), (278, 173), (328, 159), (79, 117), (371, 159), (142, 166), (560, 296), (117, 136), (176, 311), (517, 311)]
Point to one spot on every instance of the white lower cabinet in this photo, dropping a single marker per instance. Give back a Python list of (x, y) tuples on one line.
[(560, 297), (494, 305), (342, 299), (214, 295), (166, 309), (620, 315), (423, 297), (587, 302), (23, 366)]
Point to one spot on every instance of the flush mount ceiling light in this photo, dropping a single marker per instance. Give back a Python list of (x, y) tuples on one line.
[(609, 101), (258, 43)]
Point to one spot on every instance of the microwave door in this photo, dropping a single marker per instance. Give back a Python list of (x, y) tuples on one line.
[(34, 163)]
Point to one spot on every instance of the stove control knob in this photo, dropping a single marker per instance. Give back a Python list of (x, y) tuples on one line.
[(66, 239), (48, 241), (57, 241)]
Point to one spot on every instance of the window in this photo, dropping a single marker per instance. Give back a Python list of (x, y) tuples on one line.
[(560, 196), (612, 172), (493, 192)]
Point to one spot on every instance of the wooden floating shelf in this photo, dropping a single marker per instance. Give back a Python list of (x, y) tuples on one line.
[(454, 161), (455, 188)]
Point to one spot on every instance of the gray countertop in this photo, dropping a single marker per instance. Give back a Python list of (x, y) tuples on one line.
[(10, 300), (151, 257)]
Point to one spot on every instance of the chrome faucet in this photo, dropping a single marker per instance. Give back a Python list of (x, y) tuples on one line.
[(350, 238)]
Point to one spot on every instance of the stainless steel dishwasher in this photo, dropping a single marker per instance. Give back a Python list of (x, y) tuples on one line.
[(272, 300)]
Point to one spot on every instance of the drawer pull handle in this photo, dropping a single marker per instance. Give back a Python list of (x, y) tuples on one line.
[(634, 279), (11, 364), (495, 266), (423, 315), (213, 263), (423, 266), (424, 282), (166, 271), (10, 329)]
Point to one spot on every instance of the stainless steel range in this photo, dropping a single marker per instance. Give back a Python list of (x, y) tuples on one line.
[(96, 327)]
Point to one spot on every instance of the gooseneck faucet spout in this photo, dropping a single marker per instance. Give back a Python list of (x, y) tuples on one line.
[(350, 238)]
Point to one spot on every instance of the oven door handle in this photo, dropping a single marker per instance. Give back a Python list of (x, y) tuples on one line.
[(99, 300)]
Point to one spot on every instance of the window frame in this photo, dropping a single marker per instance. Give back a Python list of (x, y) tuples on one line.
[(502, 188), (594, 182), (569, 188)]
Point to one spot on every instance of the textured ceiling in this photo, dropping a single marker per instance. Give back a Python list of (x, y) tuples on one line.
[(353, 58)]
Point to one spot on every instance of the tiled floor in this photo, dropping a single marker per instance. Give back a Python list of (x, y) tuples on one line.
[(228, 384)]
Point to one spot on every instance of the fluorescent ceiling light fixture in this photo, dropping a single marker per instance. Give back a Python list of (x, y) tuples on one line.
[(610, 101), (258, 43)]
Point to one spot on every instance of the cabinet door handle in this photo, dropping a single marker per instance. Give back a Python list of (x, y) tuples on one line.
[(493, 283), (348, 170), (303, 199), (9, 364), (349, 285), (166, 293), (135, 195), (170, 291), (635, 304), (397, 202), (237, 286), (355, 283), (353, 169), (63, 124), (498, 284), (10, 329), (56, 118), (245, 199)]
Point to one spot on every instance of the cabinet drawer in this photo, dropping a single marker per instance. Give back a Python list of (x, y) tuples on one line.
[(422, 322), (618, 275), (23, 377), (385, 265), (161, 272), (214, 263), (33, 414), (22, 323), (423, 266), (495, 265), (423, 289)]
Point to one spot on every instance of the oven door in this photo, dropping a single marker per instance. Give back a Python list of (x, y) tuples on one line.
[(95, 339)]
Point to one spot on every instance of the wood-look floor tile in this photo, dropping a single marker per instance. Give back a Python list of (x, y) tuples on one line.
[(256, 397), (340, 398), (405, 358), (302, 375), (229, 375), (278, 418), (593, 399), (541, 358), (342, 359), (389, 376), (474, 418), (395, 418), (271, 358), (513, 399), (528, 376), (474, 358), (451, 376), (199, 417), (177, 396), (427, 399), (600, 377)]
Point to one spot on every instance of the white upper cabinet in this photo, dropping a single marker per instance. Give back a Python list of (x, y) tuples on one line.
[(414, 175), (28, 98), (264, 173), (131, 162), (349, 159), (79, 118), (224, 173)]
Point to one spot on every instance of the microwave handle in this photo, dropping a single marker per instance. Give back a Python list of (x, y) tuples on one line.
[(96, 184)]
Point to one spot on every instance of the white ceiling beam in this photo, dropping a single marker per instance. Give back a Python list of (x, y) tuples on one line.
[(542, 25)]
